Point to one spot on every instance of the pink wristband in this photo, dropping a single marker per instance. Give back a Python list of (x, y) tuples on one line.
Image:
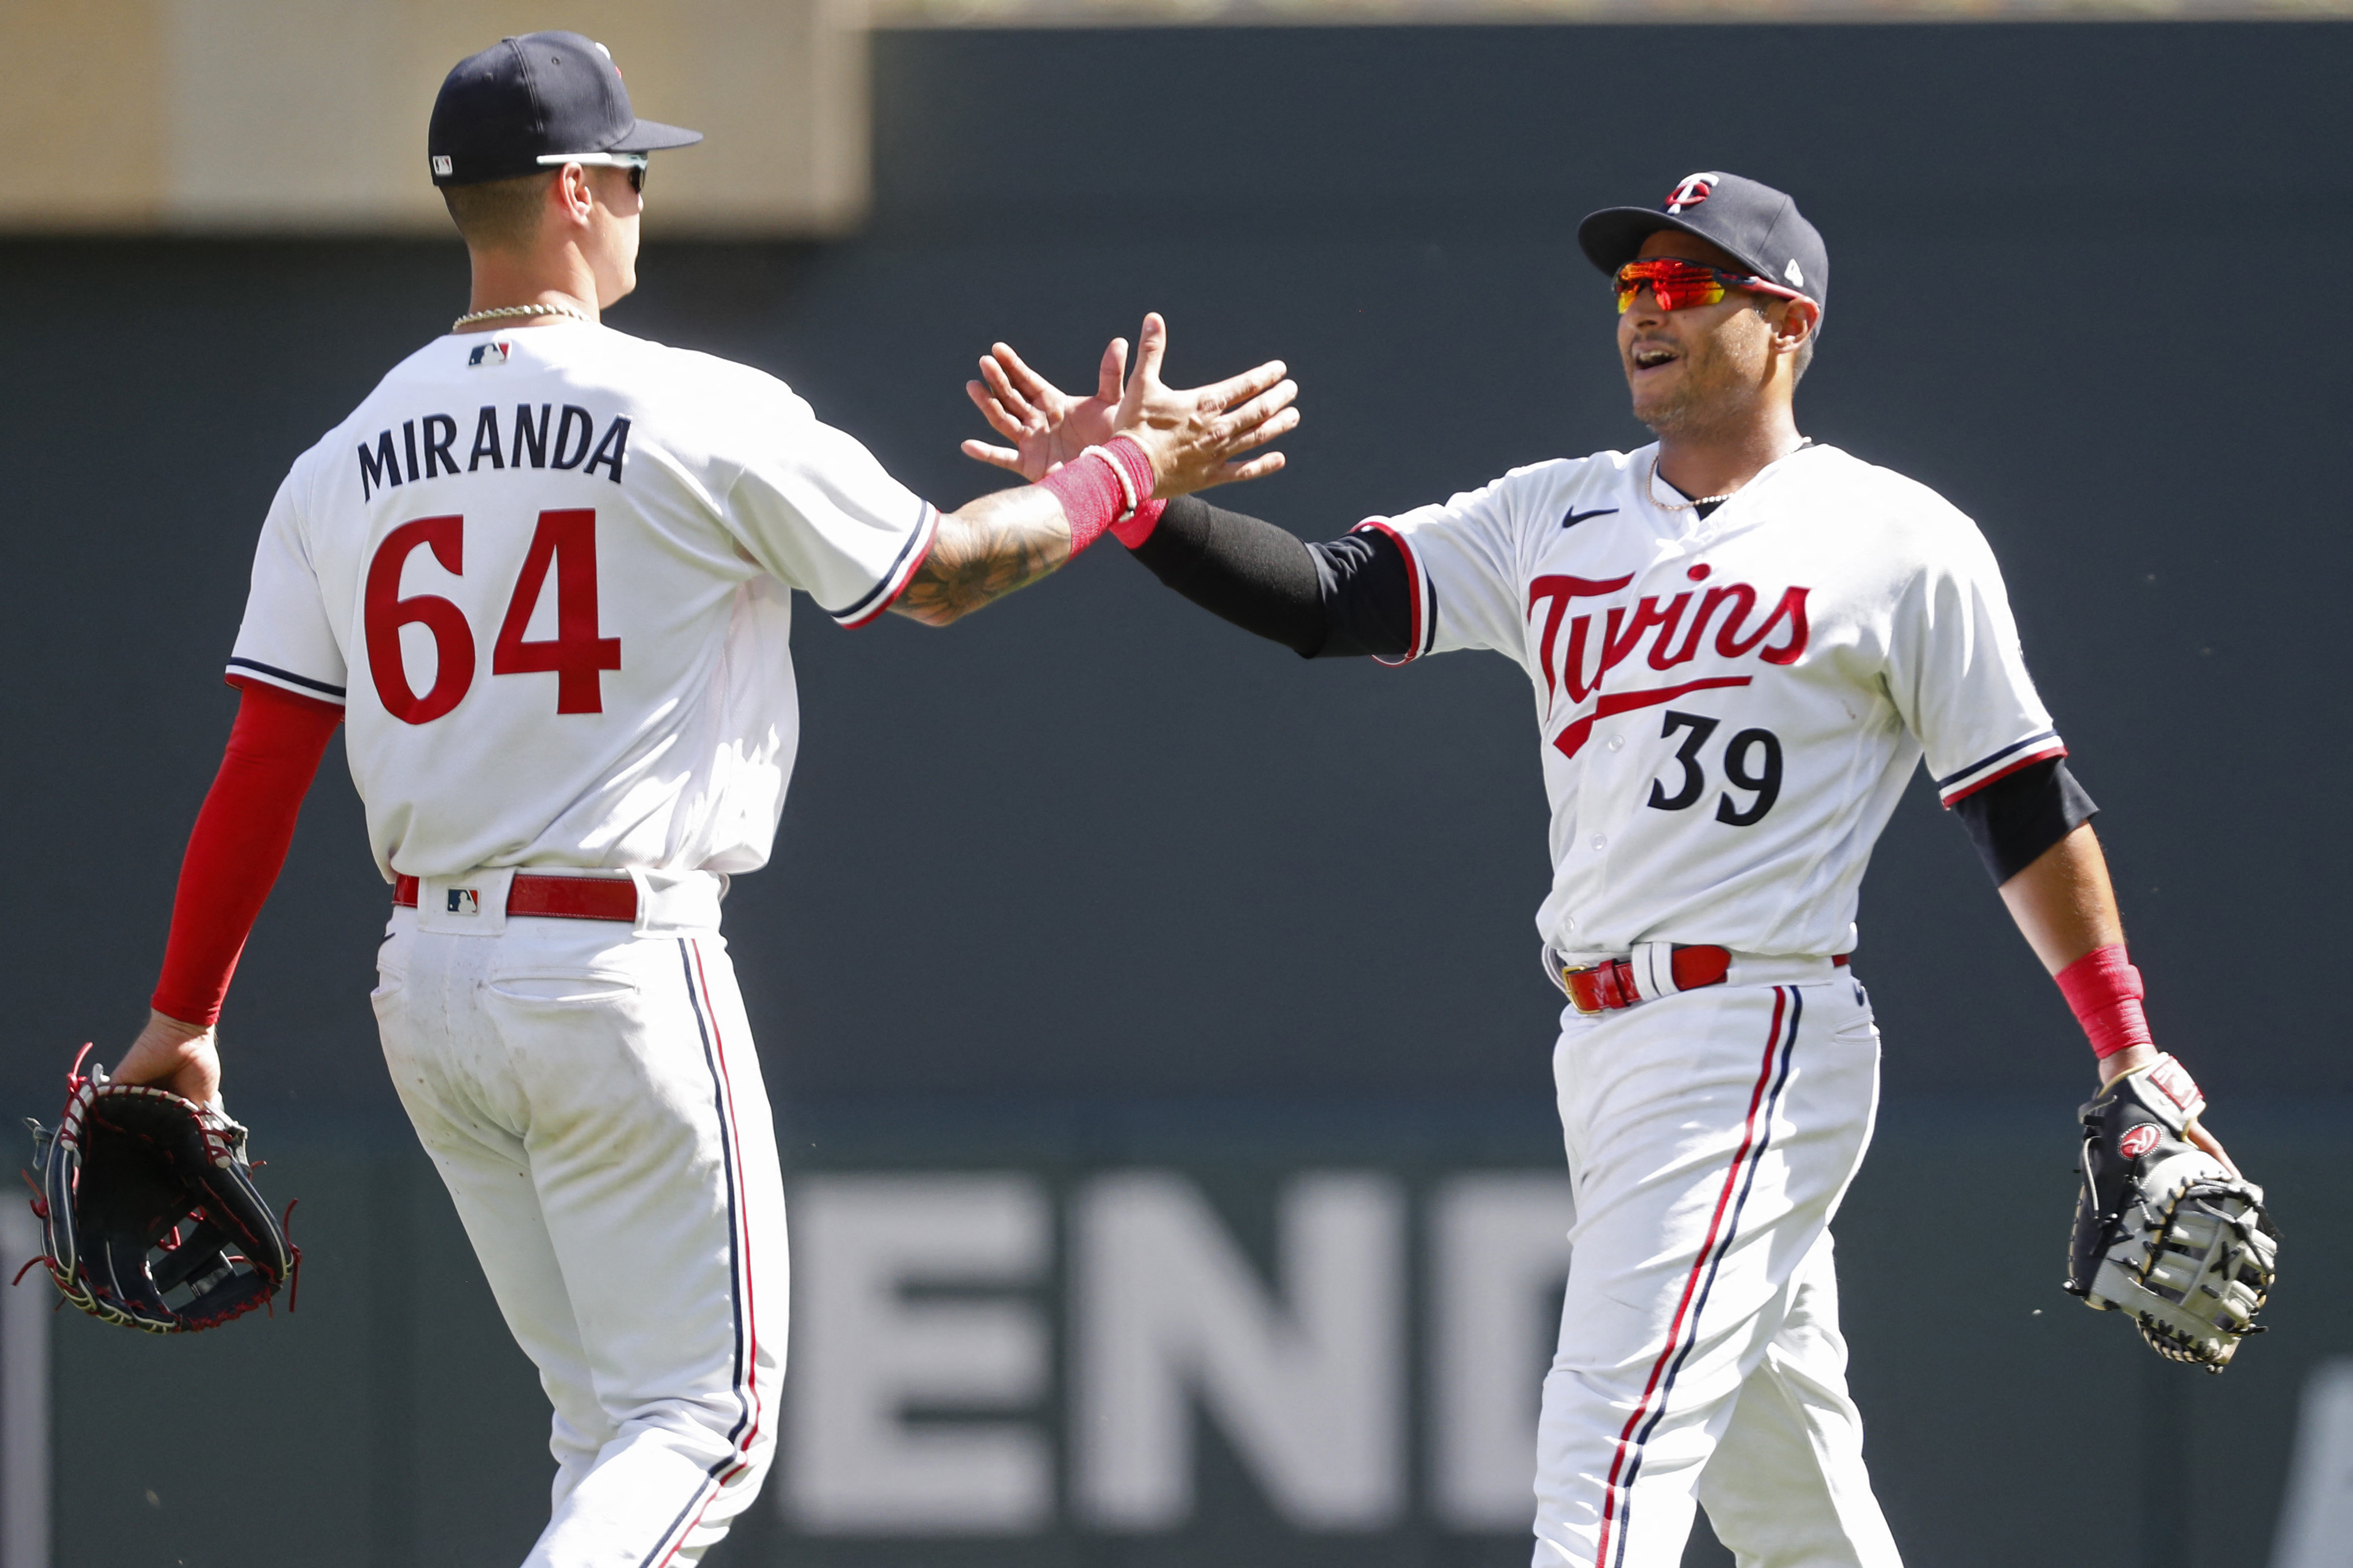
[(2105, 990), (1091, 497), (1112, 490), (1137, 529), (1134, 463)]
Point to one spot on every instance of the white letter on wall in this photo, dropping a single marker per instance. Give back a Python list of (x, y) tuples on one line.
[(861, 1355), (2317, 1516), (1307, 1387), (1499, 1253)]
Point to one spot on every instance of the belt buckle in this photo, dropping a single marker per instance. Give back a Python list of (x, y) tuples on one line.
[(1569, 985)]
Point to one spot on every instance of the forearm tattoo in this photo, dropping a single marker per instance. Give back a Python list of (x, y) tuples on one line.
[(984, 552)]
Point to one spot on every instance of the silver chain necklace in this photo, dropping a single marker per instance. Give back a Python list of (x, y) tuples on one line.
[(1681, 505), (504, 312), (1702, 501)]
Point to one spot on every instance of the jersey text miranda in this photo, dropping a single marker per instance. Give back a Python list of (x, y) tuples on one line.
[(543, 437)]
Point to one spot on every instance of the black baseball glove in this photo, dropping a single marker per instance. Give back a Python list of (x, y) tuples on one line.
[(2162, 1230), (131, 1172)]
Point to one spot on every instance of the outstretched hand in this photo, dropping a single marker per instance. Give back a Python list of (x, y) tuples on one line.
[(1047, 425), (1195, 438)]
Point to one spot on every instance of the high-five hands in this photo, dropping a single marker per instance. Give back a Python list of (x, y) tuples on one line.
[(1047, 425), (1195, 438)]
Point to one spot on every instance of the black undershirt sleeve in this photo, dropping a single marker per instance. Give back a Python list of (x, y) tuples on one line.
[(1321, 601), (2013, 820), (1367, 597), (1350, 597)]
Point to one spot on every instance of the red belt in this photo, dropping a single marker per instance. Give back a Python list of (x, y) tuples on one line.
[(561, 897), (1610, 985)]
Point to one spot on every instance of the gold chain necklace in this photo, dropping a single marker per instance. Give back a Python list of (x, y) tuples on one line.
[(504, 312)]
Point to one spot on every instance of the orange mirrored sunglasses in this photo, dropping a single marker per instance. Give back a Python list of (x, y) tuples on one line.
[(1678, 285)]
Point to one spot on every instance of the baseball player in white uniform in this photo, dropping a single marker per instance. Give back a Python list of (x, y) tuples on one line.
[(543, 576), (1740, 644)]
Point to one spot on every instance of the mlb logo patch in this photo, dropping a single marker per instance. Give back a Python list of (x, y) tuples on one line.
[(465, 901), (493, 353)]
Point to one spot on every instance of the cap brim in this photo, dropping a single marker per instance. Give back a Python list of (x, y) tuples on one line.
[(652, 136), (1612, 237)]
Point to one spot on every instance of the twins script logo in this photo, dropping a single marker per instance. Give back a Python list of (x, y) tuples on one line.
[(1675, 629), (1691, 193)]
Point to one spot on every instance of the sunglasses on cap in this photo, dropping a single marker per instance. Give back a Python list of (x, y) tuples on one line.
[(1678, 285), (635, 162)]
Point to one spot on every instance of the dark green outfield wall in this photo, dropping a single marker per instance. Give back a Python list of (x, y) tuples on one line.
[(1094, 849), (390, 1423)]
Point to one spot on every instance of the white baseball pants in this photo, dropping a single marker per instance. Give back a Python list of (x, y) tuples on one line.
[(1710, 1136), (592, 1099)]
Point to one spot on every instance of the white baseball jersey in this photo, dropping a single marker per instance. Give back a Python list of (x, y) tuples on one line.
[(548, 572), (1730, 706)]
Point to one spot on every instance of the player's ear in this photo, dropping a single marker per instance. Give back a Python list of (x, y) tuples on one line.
[(1794, 323), (573, 197)]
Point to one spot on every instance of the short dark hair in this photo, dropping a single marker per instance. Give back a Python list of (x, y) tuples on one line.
[(499, 215)]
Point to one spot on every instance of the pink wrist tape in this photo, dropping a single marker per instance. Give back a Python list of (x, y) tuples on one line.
[(1135, 528), (1106, 487), (2105, 990), (1091, 498)]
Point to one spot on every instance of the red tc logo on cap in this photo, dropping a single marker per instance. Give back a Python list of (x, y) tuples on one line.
[(2137, 1142), (1691, 193)]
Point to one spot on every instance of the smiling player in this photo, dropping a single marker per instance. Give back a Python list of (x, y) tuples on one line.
[(1741, 644)]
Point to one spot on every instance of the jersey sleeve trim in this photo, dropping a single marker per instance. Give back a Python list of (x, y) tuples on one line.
[(1420, 593), (2000, 764), (300, 685), (895, 581)]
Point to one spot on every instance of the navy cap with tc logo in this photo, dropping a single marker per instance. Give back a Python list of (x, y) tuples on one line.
[(1759, 225), (529, 103)]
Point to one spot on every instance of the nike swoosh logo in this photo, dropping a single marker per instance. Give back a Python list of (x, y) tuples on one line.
[(1575, 517)]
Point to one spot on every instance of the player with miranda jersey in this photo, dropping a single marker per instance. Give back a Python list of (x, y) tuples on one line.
[(1740, 643), (542, 574)]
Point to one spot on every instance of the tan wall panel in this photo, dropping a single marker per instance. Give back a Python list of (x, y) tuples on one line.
[(85, 81), (1351, 12), (289, 112), (310, 115)]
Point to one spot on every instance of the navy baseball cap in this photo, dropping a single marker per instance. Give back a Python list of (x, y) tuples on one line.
[(501, 113), (1759, 225)]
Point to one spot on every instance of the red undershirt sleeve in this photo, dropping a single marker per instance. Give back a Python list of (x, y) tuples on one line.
[(240, 844)]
